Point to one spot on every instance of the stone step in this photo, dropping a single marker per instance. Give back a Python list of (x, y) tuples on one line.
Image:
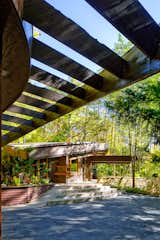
[(70, 192), (61, 192), (78, 194), (90, 194), (80, 187), (77, 184), (82, 192), (72, 187), (81, 199), (75, 190)]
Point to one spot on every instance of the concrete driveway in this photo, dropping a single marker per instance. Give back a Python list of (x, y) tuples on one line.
[(125, 217)]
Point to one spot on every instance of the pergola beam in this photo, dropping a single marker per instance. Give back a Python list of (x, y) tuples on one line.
[(16, 119), (10, 128), (59, 61), (26, 111), (42, 104), (131, 19), (56, 24), (142, 67), (55, 82)]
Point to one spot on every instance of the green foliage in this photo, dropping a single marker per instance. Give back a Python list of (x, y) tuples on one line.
[(16, 181), (44, 181), (150, 190), (134, 190), (73, 167), (28, 166), (148, 168), (156, 156), (104, 170), (122, 45), (35, 179)]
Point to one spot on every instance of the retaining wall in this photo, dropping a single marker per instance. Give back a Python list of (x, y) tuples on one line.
[(151, 184), (22, 194)]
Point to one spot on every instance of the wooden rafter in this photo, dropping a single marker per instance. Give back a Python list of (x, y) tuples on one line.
[(72, 35), (59, 61), (58, 97), (131, 19)]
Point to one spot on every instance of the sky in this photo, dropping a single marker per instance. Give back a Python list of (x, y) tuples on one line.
[(98, 27)]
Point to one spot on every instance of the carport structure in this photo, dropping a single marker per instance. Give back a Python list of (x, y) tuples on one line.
[(37, 104)]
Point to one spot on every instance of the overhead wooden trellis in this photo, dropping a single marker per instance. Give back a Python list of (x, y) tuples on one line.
[(38, 105)]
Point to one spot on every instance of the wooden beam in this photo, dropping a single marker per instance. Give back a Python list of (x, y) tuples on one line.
[(55, 24), (10, 128), (112, 162), (109, 159), (36, 102), (48, 94), (18, 120), (142, 67), (92, 86), (50, 111), (59, 61), (26, 111), (131, 19), (55, 82)]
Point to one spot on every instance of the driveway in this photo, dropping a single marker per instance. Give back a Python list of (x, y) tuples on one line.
[(125, 217)]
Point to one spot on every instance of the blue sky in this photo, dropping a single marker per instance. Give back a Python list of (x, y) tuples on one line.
[(83, 14)]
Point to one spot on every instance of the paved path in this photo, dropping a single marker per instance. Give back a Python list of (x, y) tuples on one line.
[(125, 217)]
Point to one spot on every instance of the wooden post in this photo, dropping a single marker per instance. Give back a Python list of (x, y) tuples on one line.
[(38, 162), (114, 170), (83, 170), (89, 171), (19, 6), (79, 164), (77, 167), (47, 168), (133, 172), (67, 168)]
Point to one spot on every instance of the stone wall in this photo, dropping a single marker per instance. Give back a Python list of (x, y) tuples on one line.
[(22, 195), (149, 184)]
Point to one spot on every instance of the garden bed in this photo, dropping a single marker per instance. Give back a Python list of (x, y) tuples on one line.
[(13, 195)]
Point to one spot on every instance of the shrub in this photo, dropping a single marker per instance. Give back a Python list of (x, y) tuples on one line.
[(45, 180), (35, 180), (156, 156), (16, 181)]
